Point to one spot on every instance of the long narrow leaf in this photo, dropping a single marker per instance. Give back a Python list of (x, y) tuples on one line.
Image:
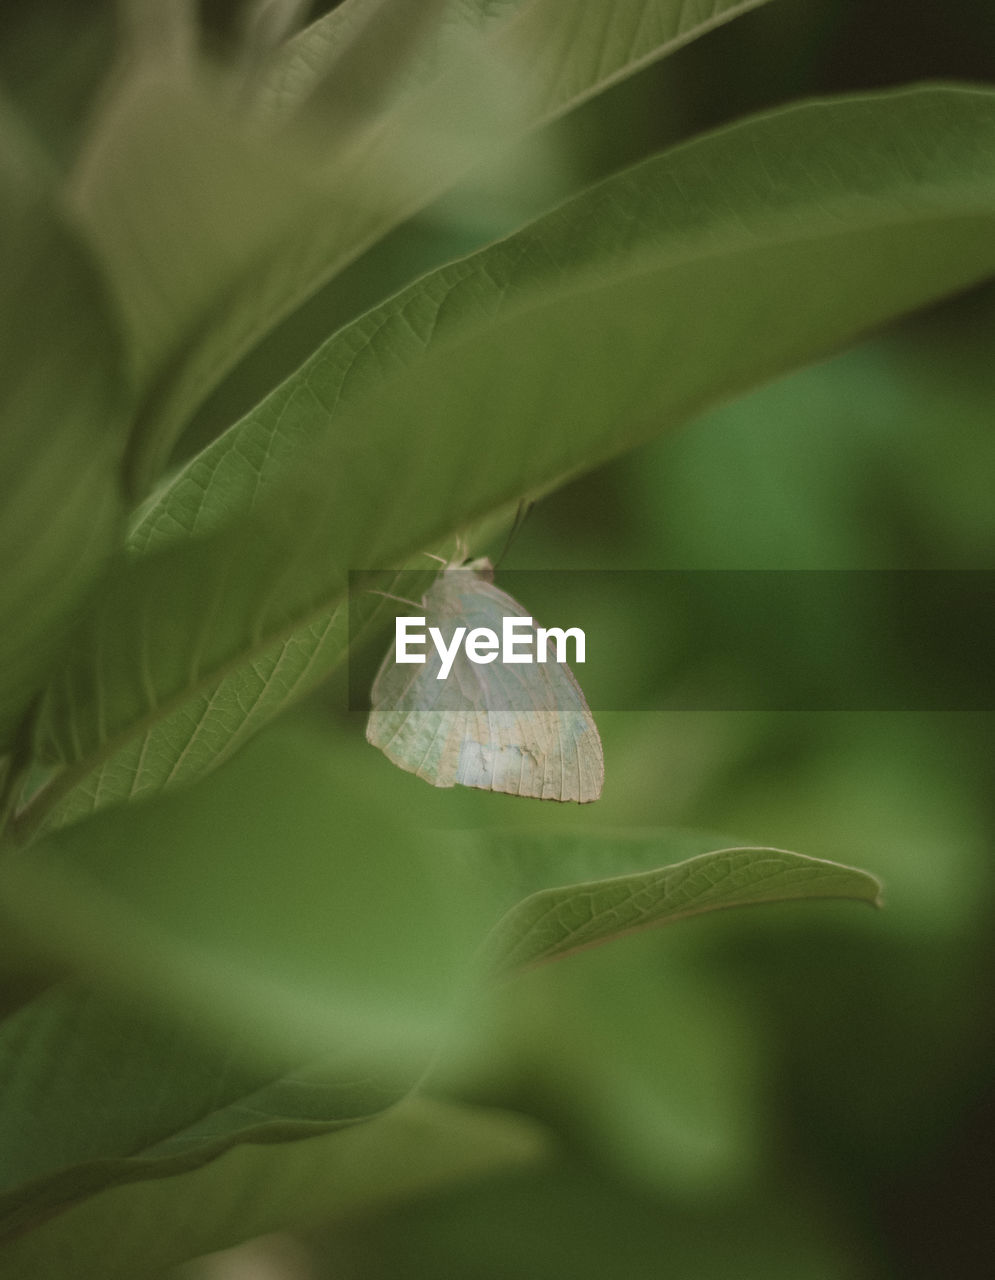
[(672, 286)]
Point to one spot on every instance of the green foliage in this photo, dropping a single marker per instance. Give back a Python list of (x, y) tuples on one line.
[(247, 231), (148, 1225), (280, 963), (63, 423), (351, 460), (308, 987)]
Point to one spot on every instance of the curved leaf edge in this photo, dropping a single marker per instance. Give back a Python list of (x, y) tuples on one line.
[(869, 890)]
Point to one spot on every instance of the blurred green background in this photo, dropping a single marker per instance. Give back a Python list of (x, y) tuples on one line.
[(803, 1091)]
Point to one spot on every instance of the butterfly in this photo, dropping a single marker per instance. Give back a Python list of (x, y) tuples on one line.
[(523, 729)]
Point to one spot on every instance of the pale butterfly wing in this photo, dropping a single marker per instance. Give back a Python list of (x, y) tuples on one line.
[(522, 729)]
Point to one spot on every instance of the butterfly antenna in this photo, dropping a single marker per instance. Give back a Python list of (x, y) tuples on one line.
[(520, 517), (400, 599), (439, 559)]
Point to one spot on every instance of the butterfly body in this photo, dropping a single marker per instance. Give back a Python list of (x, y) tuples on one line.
[(524, 729)]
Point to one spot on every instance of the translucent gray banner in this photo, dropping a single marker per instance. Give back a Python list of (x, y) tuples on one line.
[(819, 640)]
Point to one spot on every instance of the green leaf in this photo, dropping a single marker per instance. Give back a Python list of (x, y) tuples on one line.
[(344, 64), (628, 1050), (258, 961), (569, 1219), (666, 288), (265, 25), (146, 1227), (96, 1094), (215, 225), (363, 931), (560, 920), (264, 958), (561, 57), (64, 389), (272, 904)]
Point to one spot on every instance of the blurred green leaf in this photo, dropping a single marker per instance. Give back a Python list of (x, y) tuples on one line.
[(888, 472), (271, 904), (213, 226), (96, 1094), (265, 25), (54, 57), (166, 34), (561, 57), (264, 961), (349, 62), (270, 956), (665, 288), (278, 903), (636, 1059), (61, 433), (183, 205), (571, 1220), (143, 1228)]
